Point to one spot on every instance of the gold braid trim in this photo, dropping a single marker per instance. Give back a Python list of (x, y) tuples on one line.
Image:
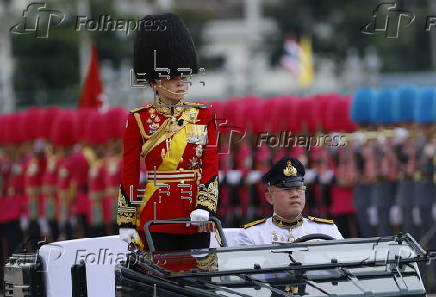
[(141, 127), (208, 263), (126, 214), (208, 195), (167, 130)]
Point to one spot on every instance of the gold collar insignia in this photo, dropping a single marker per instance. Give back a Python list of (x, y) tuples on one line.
[(163, 108), (288, 224)]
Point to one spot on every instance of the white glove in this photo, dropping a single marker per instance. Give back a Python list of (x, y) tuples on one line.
[(199, 215), (24, 223), (416, 216), (43, 225), (433, 212), (395, 215), (372, 215), (129, 235), (73, 221)]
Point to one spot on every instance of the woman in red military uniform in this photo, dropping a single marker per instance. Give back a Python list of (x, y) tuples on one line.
[(176, 139)]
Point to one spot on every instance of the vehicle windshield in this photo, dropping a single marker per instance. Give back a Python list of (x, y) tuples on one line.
[(375, 266)]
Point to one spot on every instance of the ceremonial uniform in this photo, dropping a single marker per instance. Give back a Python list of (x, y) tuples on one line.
[(384, 188), (243, 164), (116, 124), (50, 195), (176, 142), (181, 159), (112, 180), (363, 189), (33, 181), (81, 161), (63, 138), (406, 185), (276, 230), (63, 186), (286, 175)]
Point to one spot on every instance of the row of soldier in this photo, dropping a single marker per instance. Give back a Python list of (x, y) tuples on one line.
[(377, 184), (61, 172)]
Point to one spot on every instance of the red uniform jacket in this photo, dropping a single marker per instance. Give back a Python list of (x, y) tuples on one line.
[(81, 164), (49, 187), (178, 145), (14, 202), (112, 180), (33, 182), (96, 191)]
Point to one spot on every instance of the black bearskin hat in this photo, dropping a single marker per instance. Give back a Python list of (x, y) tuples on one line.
[(169, 36)]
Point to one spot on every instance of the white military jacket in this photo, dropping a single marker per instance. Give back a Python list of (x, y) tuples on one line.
[(271, 230)]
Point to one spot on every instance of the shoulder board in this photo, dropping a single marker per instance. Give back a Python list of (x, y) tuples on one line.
[(196, 104), (319, 220), (141, 108), (253, 223)]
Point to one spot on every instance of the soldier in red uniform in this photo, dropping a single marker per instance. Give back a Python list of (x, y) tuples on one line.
[(116, 121), (33, 176), (13, 199), (10, 232), (176, 139), (96, 137), (64, 137), (50, 195), (82, 159)]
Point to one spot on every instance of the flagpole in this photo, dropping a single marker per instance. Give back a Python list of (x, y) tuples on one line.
[(8, 103), (83, 9)]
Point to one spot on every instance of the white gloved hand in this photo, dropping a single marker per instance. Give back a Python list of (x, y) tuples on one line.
[(433, 212), (43, 224), (24, 223), (395, 215), (129, 235), (372, 215), (199, 215), (416, 216)]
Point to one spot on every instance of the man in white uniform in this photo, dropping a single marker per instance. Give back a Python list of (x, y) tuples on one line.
[(286, 193)]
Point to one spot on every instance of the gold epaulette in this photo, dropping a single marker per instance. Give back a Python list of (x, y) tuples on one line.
[(319, 220), (253, 223), (141, 108)]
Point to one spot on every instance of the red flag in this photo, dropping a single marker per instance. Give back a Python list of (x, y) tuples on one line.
[(92, 94)]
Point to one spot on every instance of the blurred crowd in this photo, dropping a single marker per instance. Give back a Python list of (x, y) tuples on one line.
[(61, 168)]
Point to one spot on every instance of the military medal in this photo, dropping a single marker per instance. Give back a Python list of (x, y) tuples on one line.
[(199, 151), (275, 237), (154, 126), (291, 236), (193, 163)]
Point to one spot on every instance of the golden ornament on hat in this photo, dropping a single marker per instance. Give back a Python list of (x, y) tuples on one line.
[(290, 170)]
